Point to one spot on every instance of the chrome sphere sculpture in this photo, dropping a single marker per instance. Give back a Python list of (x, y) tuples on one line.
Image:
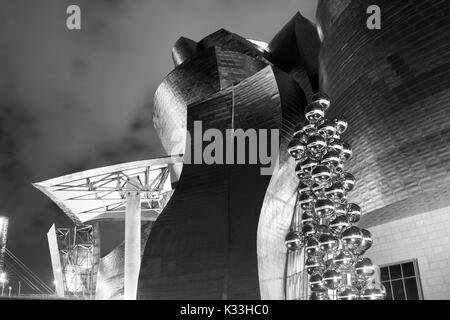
[(333, 246)]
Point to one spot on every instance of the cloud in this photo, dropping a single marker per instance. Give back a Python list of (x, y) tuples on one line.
[(74, 100)]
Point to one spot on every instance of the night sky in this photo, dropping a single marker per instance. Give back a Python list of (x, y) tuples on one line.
[(76, 100)]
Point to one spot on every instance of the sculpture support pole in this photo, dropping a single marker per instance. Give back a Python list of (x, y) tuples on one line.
[(132, 239)]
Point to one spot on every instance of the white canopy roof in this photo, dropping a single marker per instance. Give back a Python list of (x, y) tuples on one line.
[(99, 194)]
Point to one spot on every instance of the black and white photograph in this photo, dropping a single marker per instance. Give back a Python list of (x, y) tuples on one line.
[(247, 152)]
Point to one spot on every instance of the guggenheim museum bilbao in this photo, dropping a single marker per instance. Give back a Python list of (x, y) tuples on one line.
[(218, 231)]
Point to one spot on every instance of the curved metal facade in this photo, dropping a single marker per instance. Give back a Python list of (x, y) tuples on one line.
[(221, 236), (393, 86)]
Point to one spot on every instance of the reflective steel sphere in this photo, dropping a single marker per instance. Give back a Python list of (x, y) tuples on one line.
[(314, 112), (294, 241), (341, 124), (310, 129), (319, 296), (353, 212), (329, 263), (306, 200), (321, 175), (313, 265), (296, 148), (346, 151), (336, 145), (327, 129), (366, 242), (328, 243), (340, 208), (308, 165), (352, 238), (348, 293), (316, 146), (318, 190), (336, 192), (332, 159), (307, 216), (316, 283), (322, 229), (364, 268), (373, 291), (322, 98), (343, 260), (331, 278), (339, 224), (324, 208), (308, 229), (348, 181), (302, 187), (312, 247)]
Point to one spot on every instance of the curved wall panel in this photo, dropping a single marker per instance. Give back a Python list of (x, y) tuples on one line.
[(221, 236), (393, 86)]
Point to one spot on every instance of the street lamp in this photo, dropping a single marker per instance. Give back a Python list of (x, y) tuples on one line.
[(3, 280), (55, 283)]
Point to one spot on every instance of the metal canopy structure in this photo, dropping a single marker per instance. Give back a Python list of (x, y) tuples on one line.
[(100, 194)]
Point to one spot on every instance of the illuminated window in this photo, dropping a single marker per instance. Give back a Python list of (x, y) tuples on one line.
[(402, 281)]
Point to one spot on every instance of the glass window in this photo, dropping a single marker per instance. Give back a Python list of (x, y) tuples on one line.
[(402, 281)]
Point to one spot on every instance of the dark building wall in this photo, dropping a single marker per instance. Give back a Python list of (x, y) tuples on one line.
[(210, 240), (204, 244), (393, 85)]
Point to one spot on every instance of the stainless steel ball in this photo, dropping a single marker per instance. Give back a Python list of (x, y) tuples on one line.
[(307, 216), (327, 129), (322, 98), (323, 208), (336, 192), (373, 291), (354, 212), (308, 165), (336, 145), (339, 224), (316, 146), (309, 229), (348, 181), (331, 159), (366, 242), (316, 283), (294, 241), (312, 247), (332, 278), (310, 129), (319, 296), (306, 200), (344, 260), (328, 243), (348, 292), (297, 149), (340, 123), (314, 264), (321, 175), (364, 268), (314, 112), (340, 208), (352, 238), (346, 151)]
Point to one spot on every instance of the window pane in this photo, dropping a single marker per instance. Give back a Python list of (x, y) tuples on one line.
[(387, 285), (412, 292), (384, 274), (396, 272), (408, 269), (397, 288)]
